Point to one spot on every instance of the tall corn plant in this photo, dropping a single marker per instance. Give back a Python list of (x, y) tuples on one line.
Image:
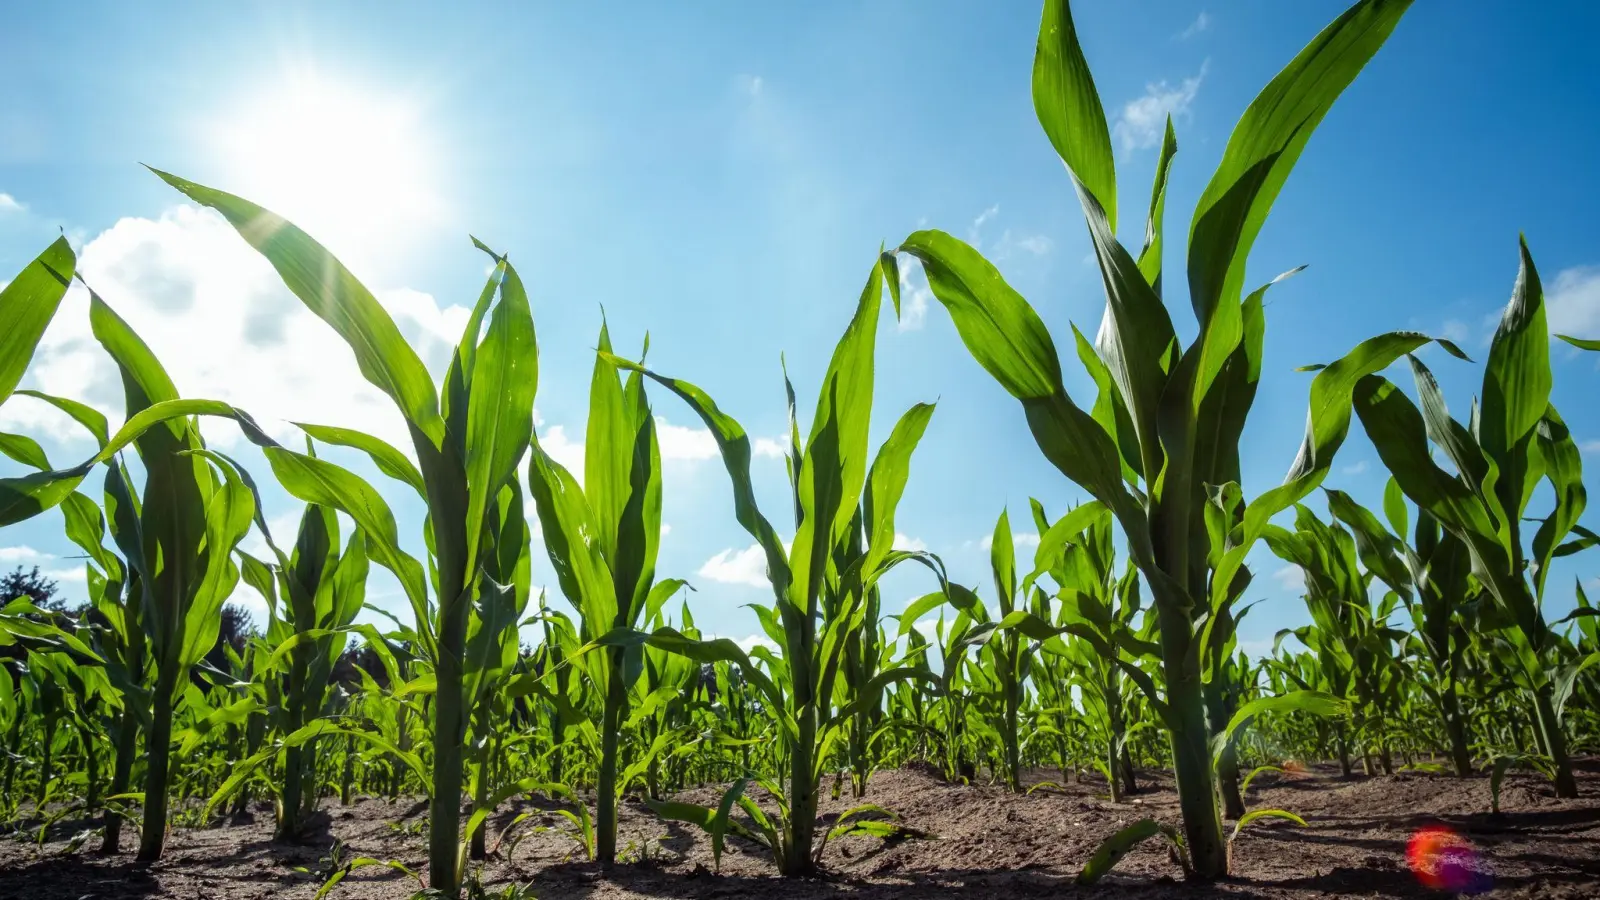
[(468, 438), (602, 539), (192, 516), (1168, 419), (1513, 442), (820, 582)]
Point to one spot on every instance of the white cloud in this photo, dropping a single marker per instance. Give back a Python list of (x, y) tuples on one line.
[(76, 575), (1200, 23), (1355, 468), (1144, 120), (1019, 540), (750, 84), (564, 450), (751, 642), (683, 442), (1456, 330), (22, 554), (186, 275), (772, 448), (1290, 578), (906, 542), (10, 204), (1587, 447), (1573, 302), (730, 566), (666, 529)]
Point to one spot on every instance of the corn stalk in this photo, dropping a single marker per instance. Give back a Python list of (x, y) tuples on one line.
[(1167, 423)]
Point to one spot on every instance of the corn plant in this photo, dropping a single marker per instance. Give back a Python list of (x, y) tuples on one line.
[(602, 539), (1355, 646), (117, 635), (320, 589), (842, 545), (1094, 610), (1514, 441), (1433, 573), (1166, 425), (468, 438)]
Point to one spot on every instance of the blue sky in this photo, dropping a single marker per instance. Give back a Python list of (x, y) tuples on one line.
[(722, 177)]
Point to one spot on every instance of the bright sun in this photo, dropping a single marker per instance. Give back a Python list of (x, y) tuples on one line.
[(354, 169)]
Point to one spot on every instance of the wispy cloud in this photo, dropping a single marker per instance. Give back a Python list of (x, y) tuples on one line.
[(1142, 121), (1356, 468), (22, 554), (1290, 578), (1587, 447), (914, 298), (751, 85), (10, 204), (975, 230), (1201, 23)]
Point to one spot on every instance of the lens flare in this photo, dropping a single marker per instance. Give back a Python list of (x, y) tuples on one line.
[(1445, 861)]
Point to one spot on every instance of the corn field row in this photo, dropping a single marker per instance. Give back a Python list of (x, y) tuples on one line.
[(1113, 649)]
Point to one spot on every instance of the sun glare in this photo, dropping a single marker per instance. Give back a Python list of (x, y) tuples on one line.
[(355, 169)]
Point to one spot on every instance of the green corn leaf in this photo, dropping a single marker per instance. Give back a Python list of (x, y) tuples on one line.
[(1114, 848), (27, 304), (1266, 144), (24, 450), (1317, 703), (330, 291), (886, 481), (1150, 253), (505, 377), (1516, 381), (90, 418), (389, 460), (1068, 107), (568, 525), (1000, 329), (1255, 814)]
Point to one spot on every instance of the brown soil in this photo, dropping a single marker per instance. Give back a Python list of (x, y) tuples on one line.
[(983, 843)]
